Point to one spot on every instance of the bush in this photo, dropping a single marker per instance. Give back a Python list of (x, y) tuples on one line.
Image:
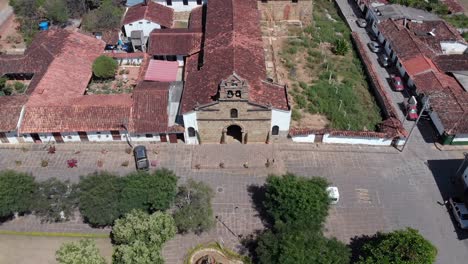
[(340, 47), (106, 17), (56, 11), (296, 115), (148, 191), (194, 212), (17, 191), (53, 197), (81, 252), (292, 199), (104, 67), (99, 195), (401, 246)]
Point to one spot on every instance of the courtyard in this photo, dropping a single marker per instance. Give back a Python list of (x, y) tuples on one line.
[(381, 189)]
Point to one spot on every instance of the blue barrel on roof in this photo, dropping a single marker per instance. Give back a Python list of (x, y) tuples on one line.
[(44, 25)]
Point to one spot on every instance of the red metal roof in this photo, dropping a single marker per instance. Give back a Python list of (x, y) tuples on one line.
[(153, 12), (162, 71)]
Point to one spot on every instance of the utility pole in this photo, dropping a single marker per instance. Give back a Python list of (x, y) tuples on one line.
[(426, 104)]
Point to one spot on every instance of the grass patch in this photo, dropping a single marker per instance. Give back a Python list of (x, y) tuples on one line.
[(339, 89), (52, 234)]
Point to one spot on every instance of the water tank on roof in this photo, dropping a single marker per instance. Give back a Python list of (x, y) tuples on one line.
[(44, 25)]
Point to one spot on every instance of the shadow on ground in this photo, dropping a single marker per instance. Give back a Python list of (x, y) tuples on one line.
[(444, 172)]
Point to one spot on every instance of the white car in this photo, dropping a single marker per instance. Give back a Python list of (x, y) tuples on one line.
[(333, 194), (460, 212)]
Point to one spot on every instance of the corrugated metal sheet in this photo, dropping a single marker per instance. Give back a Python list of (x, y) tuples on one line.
[(162, 71)]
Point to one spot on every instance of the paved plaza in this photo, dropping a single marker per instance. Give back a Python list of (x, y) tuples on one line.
[(381, 189)]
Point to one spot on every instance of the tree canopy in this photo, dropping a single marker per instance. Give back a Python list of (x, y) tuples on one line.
[(140, 236), (290, 244), (194, 212), (17, 191), (99, 195), (106, 17), (81, 252), (149, 191), (292, 199), (400, 247), (53, 197), (104, 67)]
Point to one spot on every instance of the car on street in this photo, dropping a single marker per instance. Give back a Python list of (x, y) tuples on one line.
[(333, 194), (397, 83), (411, 112), (384, 60), (374, 46), (459, 211), (361, 22), (141, 158)]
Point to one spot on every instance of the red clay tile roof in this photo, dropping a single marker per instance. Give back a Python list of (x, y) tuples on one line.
[(153, 12), (180, 41), (196, 18), (418, 64), (10, 110), (233, 44), (452, 63), (91, 113), (150, 103)]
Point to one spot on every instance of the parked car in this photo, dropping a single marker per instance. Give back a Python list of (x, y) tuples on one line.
[(411, 112), (374, 46), (141, 158), (333, 194), (460, 212), (384, 60), (397, 83), (361, 22)]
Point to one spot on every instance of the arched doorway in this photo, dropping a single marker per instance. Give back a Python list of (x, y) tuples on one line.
[(234, 134)]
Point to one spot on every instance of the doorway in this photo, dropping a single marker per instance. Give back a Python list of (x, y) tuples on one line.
[(234, 134), (58, 137), (36, 138)]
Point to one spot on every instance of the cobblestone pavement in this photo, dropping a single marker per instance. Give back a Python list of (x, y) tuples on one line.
[(381, 188)]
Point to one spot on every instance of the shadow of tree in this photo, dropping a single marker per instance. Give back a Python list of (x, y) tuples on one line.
[(358, 242), (257, 194)]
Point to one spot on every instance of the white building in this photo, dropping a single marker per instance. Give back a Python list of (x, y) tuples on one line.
[(181, 5), (146, 17)]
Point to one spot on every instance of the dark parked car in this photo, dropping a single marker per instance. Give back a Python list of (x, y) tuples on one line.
[(141, 158), (384, 60), (361, 22)]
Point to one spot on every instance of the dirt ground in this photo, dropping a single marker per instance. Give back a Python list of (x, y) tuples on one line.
[(40, 250), (11, 40), (464, 3), (275, 35)]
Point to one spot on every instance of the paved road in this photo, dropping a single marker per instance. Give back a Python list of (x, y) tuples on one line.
[(381, 188)]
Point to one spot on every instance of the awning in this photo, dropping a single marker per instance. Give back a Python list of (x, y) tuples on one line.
[(162, 71)]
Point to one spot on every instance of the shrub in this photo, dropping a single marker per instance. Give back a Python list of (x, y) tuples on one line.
[(83, 251), (53, 197), (340, 47), (104, 67), (296, 115), (16, 192)]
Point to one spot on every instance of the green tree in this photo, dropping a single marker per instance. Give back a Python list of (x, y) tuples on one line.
[(54, 197), (298, 244), (194, 212), (292, 199), (149, 191), (99, 195), (106, 17), (16, 192), (400, 247), (81, 252), (104, 67), (340, 47), (153, 230), (137, 252), (56, 11)]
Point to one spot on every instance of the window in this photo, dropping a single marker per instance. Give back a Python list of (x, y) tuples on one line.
[(294, 1), (169, 2), (199, 2), (234, 113), (149, 135), (141, 22), (275, 130), (130, 24), (171, 58), (185, 2), (191, 132)]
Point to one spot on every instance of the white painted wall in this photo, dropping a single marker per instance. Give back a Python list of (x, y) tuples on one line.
[(129, 61), (143, 24), (27, 138), (143, 138), (460, 139), (280, 118), (178, 5), (102, 136), (70, 137), (452, 47), (190, 120), (356, 140), (11, 136), (46, 137), (304, 138)]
